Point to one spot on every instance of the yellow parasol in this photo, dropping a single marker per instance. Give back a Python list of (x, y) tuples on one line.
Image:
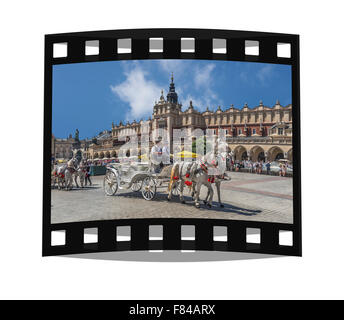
[(284, 160), (143, 157), (187, 154)]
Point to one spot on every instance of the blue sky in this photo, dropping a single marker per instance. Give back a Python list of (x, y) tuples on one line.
[(89, 96)]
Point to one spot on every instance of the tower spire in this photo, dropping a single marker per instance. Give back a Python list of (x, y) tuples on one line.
[(172, 94)]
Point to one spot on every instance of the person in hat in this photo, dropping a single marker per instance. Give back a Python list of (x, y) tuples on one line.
[(156, 153)]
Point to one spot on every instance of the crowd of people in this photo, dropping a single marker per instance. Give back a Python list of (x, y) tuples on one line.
[(250, 166), (257, 167)]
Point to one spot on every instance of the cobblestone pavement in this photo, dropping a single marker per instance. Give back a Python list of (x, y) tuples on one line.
[(246, 196)]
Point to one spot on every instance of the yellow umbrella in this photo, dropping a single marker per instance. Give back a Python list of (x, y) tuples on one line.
[(187, 154), (143, 157)]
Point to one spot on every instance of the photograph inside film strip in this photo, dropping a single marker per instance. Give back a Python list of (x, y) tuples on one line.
[(173, 140)]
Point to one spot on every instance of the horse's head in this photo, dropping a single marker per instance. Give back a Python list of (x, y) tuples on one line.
[(211, 159)]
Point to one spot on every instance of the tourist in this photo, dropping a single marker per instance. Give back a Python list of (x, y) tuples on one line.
[(284, 169), (228, 162), (260, 166), (268, 167), (88, 174), (250, 166)]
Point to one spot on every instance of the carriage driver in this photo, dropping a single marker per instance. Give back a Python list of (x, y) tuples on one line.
[(157, 155)]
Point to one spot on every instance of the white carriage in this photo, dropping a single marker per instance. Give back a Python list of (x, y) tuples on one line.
[(137, 177)]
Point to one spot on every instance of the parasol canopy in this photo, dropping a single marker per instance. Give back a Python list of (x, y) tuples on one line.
[(143, 157), (187, 154), (284, 160)]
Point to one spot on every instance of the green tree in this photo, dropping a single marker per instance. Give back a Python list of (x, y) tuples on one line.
[(199, 143)]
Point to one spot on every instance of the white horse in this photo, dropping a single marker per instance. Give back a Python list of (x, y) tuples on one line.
[(69, 171), (210, 169), (80, 173), (218, 175), (217, 181), (191, 174), (58, 175)]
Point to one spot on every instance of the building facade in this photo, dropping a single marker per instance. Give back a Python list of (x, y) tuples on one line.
[(258, 133), (64, 149)]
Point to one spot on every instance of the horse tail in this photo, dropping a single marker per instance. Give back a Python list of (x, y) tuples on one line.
[(171, 178)]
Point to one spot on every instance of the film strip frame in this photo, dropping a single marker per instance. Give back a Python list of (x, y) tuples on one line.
[(204, 228)]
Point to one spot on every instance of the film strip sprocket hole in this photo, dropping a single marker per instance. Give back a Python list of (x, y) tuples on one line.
[(211, 49), (158, 234), (161, 234)]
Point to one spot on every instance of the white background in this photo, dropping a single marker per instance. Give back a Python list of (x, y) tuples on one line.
[(25, 274)]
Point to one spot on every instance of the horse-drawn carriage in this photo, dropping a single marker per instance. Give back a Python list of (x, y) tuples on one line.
[(138, 177)]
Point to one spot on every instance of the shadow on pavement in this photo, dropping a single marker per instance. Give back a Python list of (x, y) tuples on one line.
[(189, 202)]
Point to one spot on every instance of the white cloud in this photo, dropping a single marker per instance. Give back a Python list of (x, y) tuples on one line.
[(202, 101), (203, 82), (203, 75), (244, 76), (139, 92), (257, 77), (265, 73), (196, 102), (175, 66)]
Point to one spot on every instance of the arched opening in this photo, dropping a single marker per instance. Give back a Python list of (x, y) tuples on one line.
[(257, 154), (275, 153), (240, 153), (101, 155), (95, 155), (114, 154), (107, 154), (261, 156), (279, 156), (127, 153)]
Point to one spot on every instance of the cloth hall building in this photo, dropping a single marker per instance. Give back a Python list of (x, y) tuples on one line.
[(258, 133)]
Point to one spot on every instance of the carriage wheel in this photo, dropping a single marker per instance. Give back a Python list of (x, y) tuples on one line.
[(136, 186), (148, 188), (110, 184), (176, 189)]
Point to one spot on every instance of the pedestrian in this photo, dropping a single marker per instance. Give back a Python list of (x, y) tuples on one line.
[(260, 165), (268, 167), (88, 174), (284, 169)]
